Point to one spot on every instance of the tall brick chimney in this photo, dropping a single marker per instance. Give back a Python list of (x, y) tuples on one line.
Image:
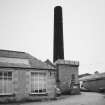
[(58, 47)]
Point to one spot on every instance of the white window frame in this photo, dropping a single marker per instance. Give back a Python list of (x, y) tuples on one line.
[(3, 81), (43, 87)]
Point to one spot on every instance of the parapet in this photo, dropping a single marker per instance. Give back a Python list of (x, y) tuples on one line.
[(66, 62)]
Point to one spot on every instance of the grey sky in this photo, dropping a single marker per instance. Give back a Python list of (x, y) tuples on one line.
[(27, 25)]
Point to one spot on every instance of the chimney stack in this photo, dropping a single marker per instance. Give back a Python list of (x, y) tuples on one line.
[(58, 47)]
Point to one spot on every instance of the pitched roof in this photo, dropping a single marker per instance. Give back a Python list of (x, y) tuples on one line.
[(93, 77), (21, 57), (14, 54), (84, 75), (67, 62), (50, 63)]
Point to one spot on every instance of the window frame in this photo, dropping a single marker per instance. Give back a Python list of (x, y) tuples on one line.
[(73, 78), (38, 77), (5, 78)]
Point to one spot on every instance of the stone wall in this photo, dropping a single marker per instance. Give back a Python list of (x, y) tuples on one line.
[(94, 85), (65, 76), (21, 85)]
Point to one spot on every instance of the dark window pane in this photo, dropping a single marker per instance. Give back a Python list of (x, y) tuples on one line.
[(73, 77), (1, 73), (32, 73), (5, 74), (40, 91), (10, 74), (36, 91)]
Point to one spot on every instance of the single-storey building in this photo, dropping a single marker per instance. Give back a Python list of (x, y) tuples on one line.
[(67, 76), (23, 77), (81, 76), (93, 82), (84, 75)]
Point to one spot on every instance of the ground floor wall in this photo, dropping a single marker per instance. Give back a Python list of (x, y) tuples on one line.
[(67, 78), (21, 85), (94, 85)]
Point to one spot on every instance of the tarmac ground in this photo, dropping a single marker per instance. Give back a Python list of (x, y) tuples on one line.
[(85, 98)]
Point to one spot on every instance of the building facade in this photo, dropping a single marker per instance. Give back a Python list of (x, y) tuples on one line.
[(67, 76), (23, 77), (93, 82)]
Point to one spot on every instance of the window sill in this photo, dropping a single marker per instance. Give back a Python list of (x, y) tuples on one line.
[(7, 95), (38, 94)]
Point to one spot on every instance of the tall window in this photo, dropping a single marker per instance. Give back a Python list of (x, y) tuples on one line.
[(73, 78), (38, 82), (5, 83)]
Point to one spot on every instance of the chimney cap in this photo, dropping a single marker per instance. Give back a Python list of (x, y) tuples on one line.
[(60, 7)]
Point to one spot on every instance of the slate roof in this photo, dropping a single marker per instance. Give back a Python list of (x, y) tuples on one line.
[(33, 62), (93, 77), (14, 54), (50, 63)]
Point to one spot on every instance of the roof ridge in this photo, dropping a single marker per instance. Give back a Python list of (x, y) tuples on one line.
[(12, 51)]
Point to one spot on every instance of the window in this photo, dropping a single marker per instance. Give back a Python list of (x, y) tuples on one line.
[(38, 82), (5, 83), (73, 78)]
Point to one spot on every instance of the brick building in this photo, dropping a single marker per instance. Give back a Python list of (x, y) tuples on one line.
[(22, 77)]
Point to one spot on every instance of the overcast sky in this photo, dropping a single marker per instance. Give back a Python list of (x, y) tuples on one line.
[(27, 25)]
